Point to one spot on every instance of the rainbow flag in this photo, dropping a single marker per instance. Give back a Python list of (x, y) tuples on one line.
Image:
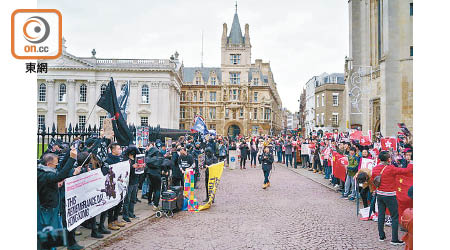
[(189, 190)]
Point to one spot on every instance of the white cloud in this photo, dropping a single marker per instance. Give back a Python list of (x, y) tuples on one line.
[(301, 38)]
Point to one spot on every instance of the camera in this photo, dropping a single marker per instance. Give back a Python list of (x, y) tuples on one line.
[(49, 238)]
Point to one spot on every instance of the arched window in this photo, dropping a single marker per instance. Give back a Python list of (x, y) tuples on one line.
[(145, 94), (102, 89), (83, 92), (62, 93), (42, 92)]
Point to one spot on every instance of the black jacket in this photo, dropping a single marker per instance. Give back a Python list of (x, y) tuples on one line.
[(244, 149), (210, 160), (47, 181), (266, 160), (153, 162)]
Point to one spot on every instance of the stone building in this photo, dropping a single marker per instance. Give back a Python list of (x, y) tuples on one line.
[(310, 115), (379, 69), (329, 109), (69, 91), (239, 97)]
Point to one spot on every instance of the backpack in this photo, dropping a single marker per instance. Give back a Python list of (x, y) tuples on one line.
[(377, 179)]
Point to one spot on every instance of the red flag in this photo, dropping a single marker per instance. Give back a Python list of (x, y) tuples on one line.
[(356, 135), (312, 145), (403, 182), (365, 141), (387, 143), (328, 135), (339, 164)]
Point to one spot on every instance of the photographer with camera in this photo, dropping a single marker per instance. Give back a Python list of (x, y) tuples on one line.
[(266, 160), (48, 178)]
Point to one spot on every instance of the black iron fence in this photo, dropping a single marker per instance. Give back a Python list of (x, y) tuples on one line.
[(45, 134)]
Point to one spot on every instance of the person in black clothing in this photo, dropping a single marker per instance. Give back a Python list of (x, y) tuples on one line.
[(153, 161), (113, 213), (167, 165), (210, 159), (195, 153), (131, 196), (244, 151), (177, 176), (49, 178), (266, 160), (184, 161)]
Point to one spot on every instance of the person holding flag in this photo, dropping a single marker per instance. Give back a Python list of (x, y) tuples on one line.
[(386, 194)]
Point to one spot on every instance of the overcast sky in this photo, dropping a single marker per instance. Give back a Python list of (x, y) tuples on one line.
[(300, 38)]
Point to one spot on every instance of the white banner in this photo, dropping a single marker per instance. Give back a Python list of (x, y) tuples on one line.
[(367, 163), (234, 159), (91, 193)]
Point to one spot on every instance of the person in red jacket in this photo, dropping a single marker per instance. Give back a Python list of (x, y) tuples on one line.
[(386, 195)]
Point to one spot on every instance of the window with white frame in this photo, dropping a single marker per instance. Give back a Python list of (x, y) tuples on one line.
[(195, 96), (81, 121), (145, 94), (227, 112), (255, 113), (102, 118), (183, 95), (212, 96), (198, 80), (62, 93), (335, 99), (41, 122), (200, 95), (323, 99), (255, 97), (267, 114), (235, 58), (212, 126), (182, 112), (194, 112), (318, 101), (144, 120), (212, 113), (102, 89), (235, 77), (182, 126), (42, 92), (322, 119), (255, 81), (213, 80), (200, 111), (241, 112), (335, 119), (83, 92), (317, 119)]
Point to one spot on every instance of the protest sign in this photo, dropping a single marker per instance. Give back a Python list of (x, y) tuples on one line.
[(201, 160), (367, 163), (168, 142), (305, 149), (233, 159), (91, 193), (140, 161)]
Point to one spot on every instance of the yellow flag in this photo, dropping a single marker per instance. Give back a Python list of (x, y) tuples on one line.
[(215, 172)]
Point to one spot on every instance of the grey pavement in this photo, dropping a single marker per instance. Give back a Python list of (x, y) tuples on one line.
[(294, 213)]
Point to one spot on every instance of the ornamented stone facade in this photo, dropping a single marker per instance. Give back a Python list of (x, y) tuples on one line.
[(68, 93), (240, 97), (379, 70)]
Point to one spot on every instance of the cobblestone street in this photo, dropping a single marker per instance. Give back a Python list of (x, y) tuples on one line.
[(294, 213)]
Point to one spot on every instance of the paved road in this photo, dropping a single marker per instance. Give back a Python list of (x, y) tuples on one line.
[(294, 213)]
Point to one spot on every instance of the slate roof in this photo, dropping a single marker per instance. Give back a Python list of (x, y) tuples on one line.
[(189, 73), (235, 32)]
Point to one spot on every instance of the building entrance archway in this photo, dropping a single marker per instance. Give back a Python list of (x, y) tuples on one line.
[(233, 130)]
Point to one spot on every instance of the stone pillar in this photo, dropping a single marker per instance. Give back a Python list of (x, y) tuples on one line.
[(71, 100), (51, 102), (92, 101), (133, 102)]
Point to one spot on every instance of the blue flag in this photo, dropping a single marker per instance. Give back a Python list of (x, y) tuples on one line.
[(200, 126)]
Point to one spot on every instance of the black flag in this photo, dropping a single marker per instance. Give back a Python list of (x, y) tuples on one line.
[(108, 101)]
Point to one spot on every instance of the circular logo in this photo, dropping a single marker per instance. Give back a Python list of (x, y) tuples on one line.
[(36, 29), (232, 159)]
